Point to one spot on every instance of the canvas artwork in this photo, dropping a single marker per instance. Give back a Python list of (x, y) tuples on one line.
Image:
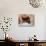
[(36, 3), (26, 20)]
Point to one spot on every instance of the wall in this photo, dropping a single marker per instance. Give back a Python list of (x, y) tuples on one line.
[(13, 8)]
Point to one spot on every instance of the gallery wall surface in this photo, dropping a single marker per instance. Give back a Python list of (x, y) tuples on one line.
[(12, 8)]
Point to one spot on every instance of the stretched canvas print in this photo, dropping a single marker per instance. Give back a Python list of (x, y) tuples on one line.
[(36, 3), (26, 20)]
